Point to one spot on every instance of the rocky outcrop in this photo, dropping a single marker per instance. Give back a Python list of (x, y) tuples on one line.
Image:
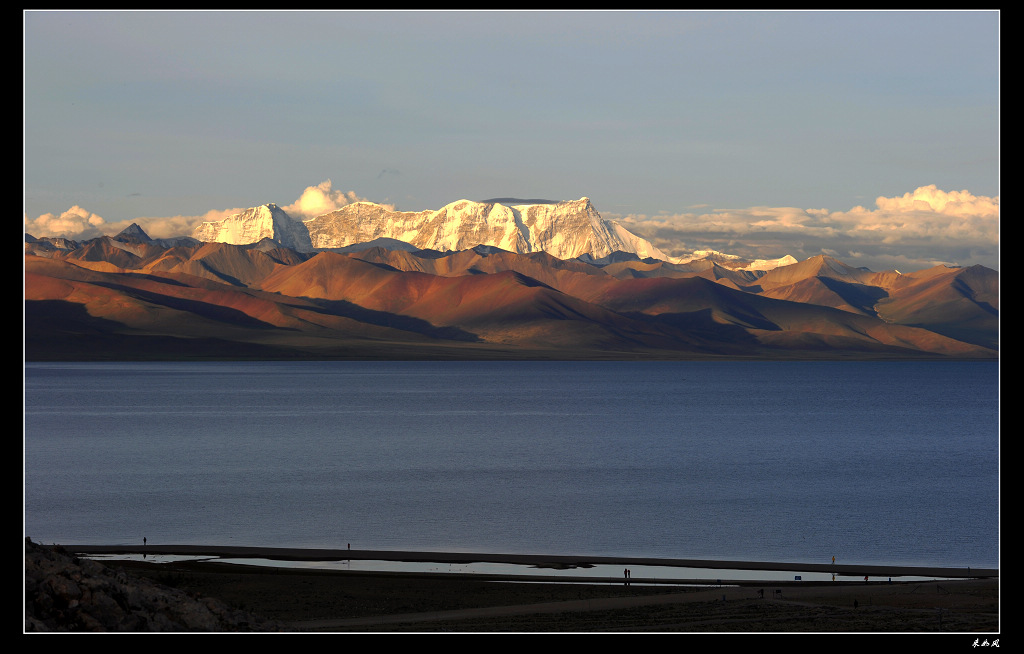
[(65, 593)]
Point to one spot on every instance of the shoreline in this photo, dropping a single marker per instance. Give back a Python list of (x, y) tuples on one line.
[(534, 560), (207, 594)]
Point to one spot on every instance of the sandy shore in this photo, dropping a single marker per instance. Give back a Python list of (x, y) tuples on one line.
[(349, 600), (338, 601)]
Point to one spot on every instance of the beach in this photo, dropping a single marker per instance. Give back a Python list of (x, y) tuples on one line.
[(313, 600)]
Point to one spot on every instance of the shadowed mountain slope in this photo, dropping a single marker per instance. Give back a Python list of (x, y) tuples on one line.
[(185, 313), (105, 298), (961, 303)]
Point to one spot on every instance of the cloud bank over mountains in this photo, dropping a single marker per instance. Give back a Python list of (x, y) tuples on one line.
[(921, 228), (80, 224)]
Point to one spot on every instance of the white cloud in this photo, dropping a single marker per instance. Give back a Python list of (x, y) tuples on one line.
[(931, 199), (925, 227), (318, 200), (79, 224), (170, 226), (75, 223)]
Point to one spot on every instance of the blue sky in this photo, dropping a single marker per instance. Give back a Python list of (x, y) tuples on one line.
[(757, 133)]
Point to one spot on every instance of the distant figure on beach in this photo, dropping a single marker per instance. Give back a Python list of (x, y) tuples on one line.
[(865, 579), (625, 576), (350, 545), (143, 541), (833, 559)]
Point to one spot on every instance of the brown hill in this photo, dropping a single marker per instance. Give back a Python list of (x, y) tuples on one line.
[(503, 308), (705, 268), (775, 323), (104, 299), (105, 250), (961, 303), (820, 266), (178, 314), (830, 292)]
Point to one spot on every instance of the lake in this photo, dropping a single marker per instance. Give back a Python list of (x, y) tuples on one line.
[(871, 462)]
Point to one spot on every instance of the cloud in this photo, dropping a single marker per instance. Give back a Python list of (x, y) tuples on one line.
[(930, 198), (922, 228), (75, 223), (318, 200), (79, 224), (171, 226)]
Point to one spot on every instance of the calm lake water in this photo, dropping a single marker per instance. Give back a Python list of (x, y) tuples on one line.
[(871, 462)]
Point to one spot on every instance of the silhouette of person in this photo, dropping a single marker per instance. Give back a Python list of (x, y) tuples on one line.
[(143, 541)]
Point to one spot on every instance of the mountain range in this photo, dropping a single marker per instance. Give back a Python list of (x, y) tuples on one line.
[(477, 281), (564, 229)]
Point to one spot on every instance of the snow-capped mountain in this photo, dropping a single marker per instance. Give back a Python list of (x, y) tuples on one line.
[(563, 229), (253, 225), (769, 264), (566, 230), (735, 262)]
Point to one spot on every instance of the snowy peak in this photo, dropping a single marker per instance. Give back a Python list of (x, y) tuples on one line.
[(770, 264), (564, 229), (252, 225), (735, 262)]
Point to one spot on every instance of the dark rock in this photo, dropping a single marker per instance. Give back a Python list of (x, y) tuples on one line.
[(65, 593)]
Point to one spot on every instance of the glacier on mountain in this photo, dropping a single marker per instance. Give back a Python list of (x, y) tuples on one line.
[(566, 230), (563, 229), (253, 225)]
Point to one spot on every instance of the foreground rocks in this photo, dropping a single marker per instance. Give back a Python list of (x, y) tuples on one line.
[(65, 593)]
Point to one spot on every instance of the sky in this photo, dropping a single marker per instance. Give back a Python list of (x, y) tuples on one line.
[(871, 136)]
